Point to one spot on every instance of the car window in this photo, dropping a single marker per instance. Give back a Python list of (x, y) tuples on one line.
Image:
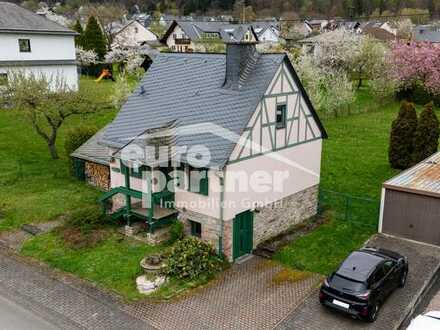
[(387, 267), (346, 284), (378, 275)]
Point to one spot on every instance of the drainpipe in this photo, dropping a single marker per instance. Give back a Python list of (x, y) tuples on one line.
[(127, 197), (221, 175)]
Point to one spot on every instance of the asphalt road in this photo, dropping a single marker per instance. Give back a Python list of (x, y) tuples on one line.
[(15, 317)]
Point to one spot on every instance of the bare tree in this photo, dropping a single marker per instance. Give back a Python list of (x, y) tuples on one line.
[(46, 103)]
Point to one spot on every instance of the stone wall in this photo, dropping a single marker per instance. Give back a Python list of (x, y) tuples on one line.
[(279, 216), (98, 175), (210, 226)]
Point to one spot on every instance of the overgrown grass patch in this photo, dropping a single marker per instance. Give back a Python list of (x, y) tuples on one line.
[(113, 263), (290, 275)]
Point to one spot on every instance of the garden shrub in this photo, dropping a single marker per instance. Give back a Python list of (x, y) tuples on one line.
[(86, 219), (176, 231), (84, 228), (426, 135), (401, 146), (191, 258), (75, 138)]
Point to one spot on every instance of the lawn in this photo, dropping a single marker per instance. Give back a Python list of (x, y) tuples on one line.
[(355, 162), (113, 263), (35, 188)]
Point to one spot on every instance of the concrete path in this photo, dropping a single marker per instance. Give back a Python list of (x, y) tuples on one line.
[(424, 262), (29, 291)]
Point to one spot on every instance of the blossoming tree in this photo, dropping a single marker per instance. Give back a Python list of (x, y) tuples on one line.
[(416, 64)]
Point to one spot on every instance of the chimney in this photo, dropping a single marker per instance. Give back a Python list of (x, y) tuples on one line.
[(241, 58)]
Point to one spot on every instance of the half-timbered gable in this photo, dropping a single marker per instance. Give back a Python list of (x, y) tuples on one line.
[(284, 118)]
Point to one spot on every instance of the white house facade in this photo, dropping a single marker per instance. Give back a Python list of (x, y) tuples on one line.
[(133, 34), (34, 45)]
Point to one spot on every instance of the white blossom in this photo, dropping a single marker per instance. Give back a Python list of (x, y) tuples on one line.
[(86, 57)]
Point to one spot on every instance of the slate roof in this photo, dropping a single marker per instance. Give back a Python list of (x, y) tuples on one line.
[(93, 151), (227, 32), (187, 88), (427, 33), (15, 18)]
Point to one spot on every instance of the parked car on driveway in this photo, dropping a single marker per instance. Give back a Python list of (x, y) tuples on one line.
[(427, 321), (363, 282)]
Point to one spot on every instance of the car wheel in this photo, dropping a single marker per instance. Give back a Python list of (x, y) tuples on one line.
[(403, 279), (372, 316)]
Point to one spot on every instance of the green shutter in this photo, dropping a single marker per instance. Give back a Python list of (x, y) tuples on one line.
[(204, 185), (79, 168)]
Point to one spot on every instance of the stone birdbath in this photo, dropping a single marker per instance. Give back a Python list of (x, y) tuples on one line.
[(152, 280), (152, 264)]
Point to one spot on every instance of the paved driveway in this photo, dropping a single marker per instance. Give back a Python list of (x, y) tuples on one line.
[(246, 297), (423, 262)]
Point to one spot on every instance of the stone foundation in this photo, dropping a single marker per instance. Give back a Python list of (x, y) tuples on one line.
[(279, 216), (210, 226)]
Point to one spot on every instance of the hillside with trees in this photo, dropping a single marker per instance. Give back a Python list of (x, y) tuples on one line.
[(263, 8)]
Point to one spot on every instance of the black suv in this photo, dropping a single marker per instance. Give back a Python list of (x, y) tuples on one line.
[(363, 282)]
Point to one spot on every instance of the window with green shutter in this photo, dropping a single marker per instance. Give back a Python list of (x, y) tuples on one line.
[(198, 181)]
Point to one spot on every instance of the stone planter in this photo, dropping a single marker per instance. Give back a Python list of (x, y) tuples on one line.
[(152, 264)]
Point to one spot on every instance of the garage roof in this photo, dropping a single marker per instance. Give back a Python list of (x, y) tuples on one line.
[(423, 178)]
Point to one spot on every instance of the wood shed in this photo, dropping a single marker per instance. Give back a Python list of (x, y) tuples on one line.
[(92, 162), (410, 204)]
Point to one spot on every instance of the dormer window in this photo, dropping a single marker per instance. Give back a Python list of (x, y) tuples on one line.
[(24, 45)]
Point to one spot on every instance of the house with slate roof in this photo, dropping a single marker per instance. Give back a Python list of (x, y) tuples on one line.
[(228, 144), (34, 44), (267, 32), (182, 36)]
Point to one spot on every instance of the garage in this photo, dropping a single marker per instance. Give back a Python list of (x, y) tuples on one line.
[(410, 204)]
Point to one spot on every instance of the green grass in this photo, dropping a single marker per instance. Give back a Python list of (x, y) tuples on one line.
[(355, 162), (33, 187), (113, 263)]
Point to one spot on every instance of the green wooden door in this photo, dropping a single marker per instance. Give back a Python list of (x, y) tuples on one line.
[(243, 234)]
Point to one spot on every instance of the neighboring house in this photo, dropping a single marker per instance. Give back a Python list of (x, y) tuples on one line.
[(353, 26), (378, 25), (182, 36), (34, 44), (312, 45), (410, 204), (379, 34), (91, 162), (267, 32), (133, 34), (316, 25), (428, 33), (229, 121)]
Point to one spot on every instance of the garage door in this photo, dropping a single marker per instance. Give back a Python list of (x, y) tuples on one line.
[(412, 216)]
